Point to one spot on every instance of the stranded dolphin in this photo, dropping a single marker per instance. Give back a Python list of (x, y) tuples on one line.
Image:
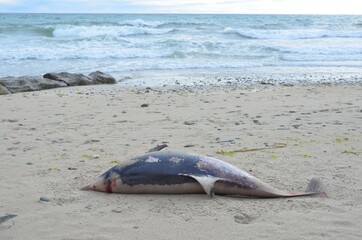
[(172, 172)]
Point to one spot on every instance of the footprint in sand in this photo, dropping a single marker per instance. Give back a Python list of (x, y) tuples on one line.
[(243, 218)]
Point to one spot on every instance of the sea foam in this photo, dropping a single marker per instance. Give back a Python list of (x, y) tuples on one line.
[(91, 31), (292, 34)]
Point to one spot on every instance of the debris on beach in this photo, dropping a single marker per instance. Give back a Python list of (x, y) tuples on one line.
[(231, 153), (6, 217)]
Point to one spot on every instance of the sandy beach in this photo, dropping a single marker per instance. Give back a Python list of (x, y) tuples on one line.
[(54, 142)]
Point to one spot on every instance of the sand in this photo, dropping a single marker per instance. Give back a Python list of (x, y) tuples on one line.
[(54, 142)]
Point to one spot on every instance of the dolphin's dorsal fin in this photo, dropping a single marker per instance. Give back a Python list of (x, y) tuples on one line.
[(207, 182), (157, 148)]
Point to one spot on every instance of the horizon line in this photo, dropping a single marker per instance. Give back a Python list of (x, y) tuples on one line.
[(148, 13)]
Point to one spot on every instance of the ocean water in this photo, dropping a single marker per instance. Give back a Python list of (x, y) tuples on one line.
[(32, 44)]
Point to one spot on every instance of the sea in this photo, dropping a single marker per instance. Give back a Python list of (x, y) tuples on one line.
[(33, 44)]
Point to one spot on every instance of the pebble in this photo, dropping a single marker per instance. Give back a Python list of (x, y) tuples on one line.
[(225, 140), (189, 145), (189, 122), (29, 163), (44, 199), (256, 122), (91, 141), (11, 120), (6, 217)]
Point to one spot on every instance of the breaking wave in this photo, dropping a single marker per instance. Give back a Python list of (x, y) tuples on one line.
[(292, 33), (82, 31), (91, 31)]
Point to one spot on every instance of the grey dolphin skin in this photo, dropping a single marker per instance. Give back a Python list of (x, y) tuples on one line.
[(173, 172)]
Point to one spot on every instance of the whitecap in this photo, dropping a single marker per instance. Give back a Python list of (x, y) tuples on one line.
[(92, 31), (292, 33), (320, 58), (142, 23)]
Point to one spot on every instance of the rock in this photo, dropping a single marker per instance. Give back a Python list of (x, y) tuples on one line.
[(225, 140), (256, 122), (99, 77), (44, 199), (4, 90), (91, 141), (29, 83), (6, 217), (190, 122), (10, 120), (266, 83), (76, 79), (124, 79), (189, 145), (71, 79), (52, 80)]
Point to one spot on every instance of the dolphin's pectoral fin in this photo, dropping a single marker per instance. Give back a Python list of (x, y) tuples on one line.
[(157, 148), (207, 183)]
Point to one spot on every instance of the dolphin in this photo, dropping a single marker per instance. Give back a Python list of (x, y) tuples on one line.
[(173, 172)]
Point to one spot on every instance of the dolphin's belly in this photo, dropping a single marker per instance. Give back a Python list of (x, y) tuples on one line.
[(192, 187)]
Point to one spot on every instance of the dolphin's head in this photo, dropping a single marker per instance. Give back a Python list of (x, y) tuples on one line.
[(107, 182)]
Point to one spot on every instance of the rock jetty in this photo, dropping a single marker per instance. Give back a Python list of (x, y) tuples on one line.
[(11, 84)]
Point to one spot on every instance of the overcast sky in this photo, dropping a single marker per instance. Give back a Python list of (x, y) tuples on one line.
[(184, 6)]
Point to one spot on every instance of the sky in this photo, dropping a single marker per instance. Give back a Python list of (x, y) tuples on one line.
[(184, 6)]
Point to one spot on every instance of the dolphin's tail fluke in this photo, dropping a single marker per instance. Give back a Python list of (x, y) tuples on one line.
[(315, 186)]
